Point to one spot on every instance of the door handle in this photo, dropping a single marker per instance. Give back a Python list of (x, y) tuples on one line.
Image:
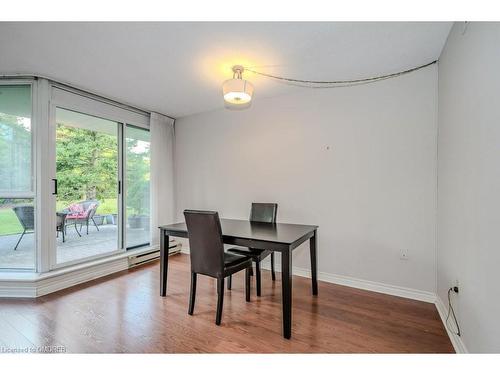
[(119, 187), (55, 186)]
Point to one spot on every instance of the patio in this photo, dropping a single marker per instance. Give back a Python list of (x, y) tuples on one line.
[(74, 247)]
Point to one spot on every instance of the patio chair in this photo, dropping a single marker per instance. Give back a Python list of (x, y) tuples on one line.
[(83, 213), (61, 225), (26, 216)]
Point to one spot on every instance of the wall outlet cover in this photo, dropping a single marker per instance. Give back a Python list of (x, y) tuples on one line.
[(404, 254)]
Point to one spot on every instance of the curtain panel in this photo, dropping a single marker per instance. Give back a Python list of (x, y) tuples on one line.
[(162, 173)]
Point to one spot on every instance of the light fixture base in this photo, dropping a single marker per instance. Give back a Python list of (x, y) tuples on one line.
[(238, 69)]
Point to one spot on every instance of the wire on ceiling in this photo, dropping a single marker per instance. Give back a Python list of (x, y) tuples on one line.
[(341, 83)]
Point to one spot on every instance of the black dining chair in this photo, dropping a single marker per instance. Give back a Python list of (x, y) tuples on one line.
[(260, 213), (208, 258)]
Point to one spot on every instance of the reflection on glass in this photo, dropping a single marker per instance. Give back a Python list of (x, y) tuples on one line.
[(87, 175), (17, 212), (15, 139), (138, 186)]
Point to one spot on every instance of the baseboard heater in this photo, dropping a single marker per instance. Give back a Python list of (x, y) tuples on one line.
[(173, 248)]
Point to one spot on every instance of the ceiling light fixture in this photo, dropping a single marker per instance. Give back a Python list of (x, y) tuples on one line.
[(237, 91)]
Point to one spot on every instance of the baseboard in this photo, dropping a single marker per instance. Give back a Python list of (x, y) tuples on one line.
[(42, 284), (64, 281), (456, 341), (352, 282), (17, 289)]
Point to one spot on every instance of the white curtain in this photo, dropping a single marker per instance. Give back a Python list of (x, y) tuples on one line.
[(162, 173)]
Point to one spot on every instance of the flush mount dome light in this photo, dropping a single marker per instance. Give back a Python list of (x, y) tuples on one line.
[(237, 92)]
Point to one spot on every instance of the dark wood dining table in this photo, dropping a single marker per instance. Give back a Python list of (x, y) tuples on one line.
[(280, 237)]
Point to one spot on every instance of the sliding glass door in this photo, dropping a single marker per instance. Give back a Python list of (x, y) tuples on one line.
[(137, 187), (87, 186), (101, 179)]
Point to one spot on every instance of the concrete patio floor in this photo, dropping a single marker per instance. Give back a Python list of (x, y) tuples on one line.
[(74, 247)]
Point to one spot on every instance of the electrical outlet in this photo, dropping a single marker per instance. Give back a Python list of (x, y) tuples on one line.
[(404, 254)]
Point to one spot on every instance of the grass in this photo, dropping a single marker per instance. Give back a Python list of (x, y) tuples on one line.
[(9, 223)]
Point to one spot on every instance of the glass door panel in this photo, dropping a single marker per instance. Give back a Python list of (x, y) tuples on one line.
[(137, 194), (87, 173), (17, 192)]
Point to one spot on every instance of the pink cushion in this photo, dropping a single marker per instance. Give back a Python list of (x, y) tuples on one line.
[(76, 212), (76, 207), (77, 216)]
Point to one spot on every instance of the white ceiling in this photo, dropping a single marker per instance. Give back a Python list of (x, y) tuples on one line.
[(178, 68)]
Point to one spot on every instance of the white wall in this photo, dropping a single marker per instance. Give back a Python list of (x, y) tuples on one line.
[(469, 180), (372, 193)]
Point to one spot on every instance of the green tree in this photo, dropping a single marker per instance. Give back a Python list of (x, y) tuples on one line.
[(87, 163), (138, 175)]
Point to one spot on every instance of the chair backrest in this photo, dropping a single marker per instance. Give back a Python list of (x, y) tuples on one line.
[(91, 209), (87, 208), (264, 212), (60, 221), (206, 248), (86, 204), (26, 216)]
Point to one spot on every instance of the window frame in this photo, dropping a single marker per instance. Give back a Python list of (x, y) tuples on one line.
[(32, 193), (43, 164)]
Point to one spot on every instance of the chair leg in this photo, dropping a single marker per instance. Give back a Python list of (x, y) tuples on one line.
[(95, 224), (77, 230), (247, 284), (251, 271), (229, 282), (220, 300), (87, 227), (257, 277), (273, 275), (63, 236), (192, 293), (20, 238)]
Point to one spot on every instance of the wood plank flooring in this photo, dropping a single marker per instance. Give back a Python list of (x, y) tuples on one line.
[(124, 313)]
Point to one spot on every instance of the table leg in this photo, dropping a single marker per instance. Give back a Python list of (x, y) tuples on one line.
[(314, 264), (286, 290), (164, 241)]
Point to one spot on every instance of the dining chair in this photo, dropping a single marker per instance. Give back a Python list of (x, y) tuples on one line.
[(206, 250), (259, 213)]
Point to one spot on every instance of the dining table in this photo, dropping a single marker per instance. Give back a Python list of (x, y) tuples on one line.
[(278, 237)]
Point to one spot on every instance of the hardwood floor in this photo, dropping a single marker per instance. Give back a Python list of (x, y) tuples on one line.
[(124, 313)]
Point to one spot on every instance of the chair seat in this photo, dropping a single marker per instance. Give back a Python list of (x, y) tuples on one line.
[(232, 259), (76, 216), (250, 252)]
